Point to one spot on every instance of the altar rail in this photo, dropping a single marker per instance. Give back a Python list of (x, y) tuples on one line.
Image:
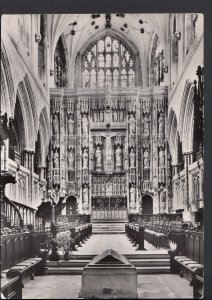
[(18, 247), (109, 214)]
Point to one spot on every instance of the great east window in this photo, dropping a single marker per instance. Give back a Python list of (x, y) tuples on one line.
[(108, 63)]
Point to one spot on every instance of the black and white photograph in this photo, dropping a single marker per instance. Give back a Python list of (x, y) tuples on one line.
[(102, 144)]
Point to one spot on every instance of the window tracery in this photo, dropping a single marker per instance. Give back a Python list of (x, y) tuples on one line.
[(108, 63)]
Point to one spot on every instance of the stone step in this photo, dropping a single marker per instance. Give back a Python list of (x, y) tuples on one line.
[(64, 271), (83, 263), (79, 270), (153, 270), (144, 255)]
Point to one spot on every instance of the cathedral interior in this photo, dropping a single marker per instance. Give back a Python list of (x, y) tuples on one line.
[(101, 123)]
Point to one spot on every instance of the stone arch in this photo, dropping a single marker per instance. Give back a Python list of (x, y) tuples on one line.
[(186, 117), (7, 87), (147, 204), (126, 42), (70, 205), (27, 112)]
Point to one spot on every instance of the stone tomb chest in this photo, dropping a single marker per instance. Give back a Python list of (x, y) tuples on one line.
[(109, 276)]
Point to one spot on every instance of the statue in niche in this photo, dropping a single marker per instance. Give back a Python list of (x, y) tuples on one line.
[(132, 194), (161, 157), (84, 124), (85, 195), (118, 157), (132, 124), (95, 116), (98, 155), (56, 160), (101, 116), (108, 147), (146, 158), (162, 196), (121, 115), (161, 124), (85, 158), (71, 159), (71, 125), (115, 116), (132, 158), (146, 125), (55, 124), (162, 175)]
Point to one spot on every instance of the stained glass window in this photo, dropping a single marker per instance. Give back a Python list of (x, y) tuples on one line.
[(108, 63)]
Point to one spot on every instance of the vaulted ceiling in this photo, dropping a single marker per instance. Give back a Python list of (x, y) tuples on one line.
[(76, 30)]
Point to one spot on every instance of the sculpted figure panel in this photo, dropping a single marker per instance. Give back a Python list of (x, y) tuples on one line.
[(71, 159), (55, 124), (118, 157), (132, 158), (131, 124), (85, 158), (84, 124)]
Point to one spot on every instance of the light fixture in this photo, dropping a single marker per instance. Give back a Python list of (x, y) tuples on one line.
[(120, 15), (125, 25), (140, 21), (93, 22), (142, 30), (122, 28), (96, 27), (94, 16)]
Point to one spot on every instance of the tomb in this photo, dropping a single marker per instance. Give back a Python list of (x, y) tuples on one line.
[(109, 276)]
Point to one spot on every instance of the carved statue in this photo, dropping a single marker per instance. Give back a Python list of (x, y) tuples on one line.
[(98, 157), (121, 115), (132, 158), (71, 159), (115, 116), (162, 176), (146, 158), (132, 194), (95, 117), (56, 160), (161, 124), (162, 196), (108, 148), (101, 116), (146, 125), (70, 125), (55, 125), (161, 157), (118, 157), (85, 195), (85, 158), (84, 124), (132, 124)]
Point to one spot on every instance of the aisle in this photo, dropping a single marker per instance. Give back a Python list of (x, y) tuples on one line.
[(98, 243)]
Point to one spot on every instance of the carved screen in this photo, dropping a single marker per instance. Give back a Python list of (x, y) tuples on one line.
[(108, 63)]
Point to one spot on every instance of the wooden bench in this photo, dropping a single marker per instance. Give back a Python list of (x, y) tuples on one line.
[(11, 288), (26, 270)]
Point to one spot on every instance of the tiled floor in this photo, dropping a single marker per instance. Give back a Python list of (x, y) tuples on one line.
[(98, 243), (163, 286)]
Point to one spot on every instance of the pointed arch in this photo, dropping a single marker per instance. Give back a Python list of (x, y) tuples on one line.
[(102, 34), (8, 92), (27, 116)]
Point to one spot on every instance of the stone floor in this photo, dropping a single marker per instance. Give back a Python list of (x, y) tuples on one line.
[(98, 243), (162, 286)]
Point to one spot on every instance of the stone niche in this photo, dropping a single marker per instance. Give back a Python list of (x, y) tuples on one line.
[(109, 276)]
